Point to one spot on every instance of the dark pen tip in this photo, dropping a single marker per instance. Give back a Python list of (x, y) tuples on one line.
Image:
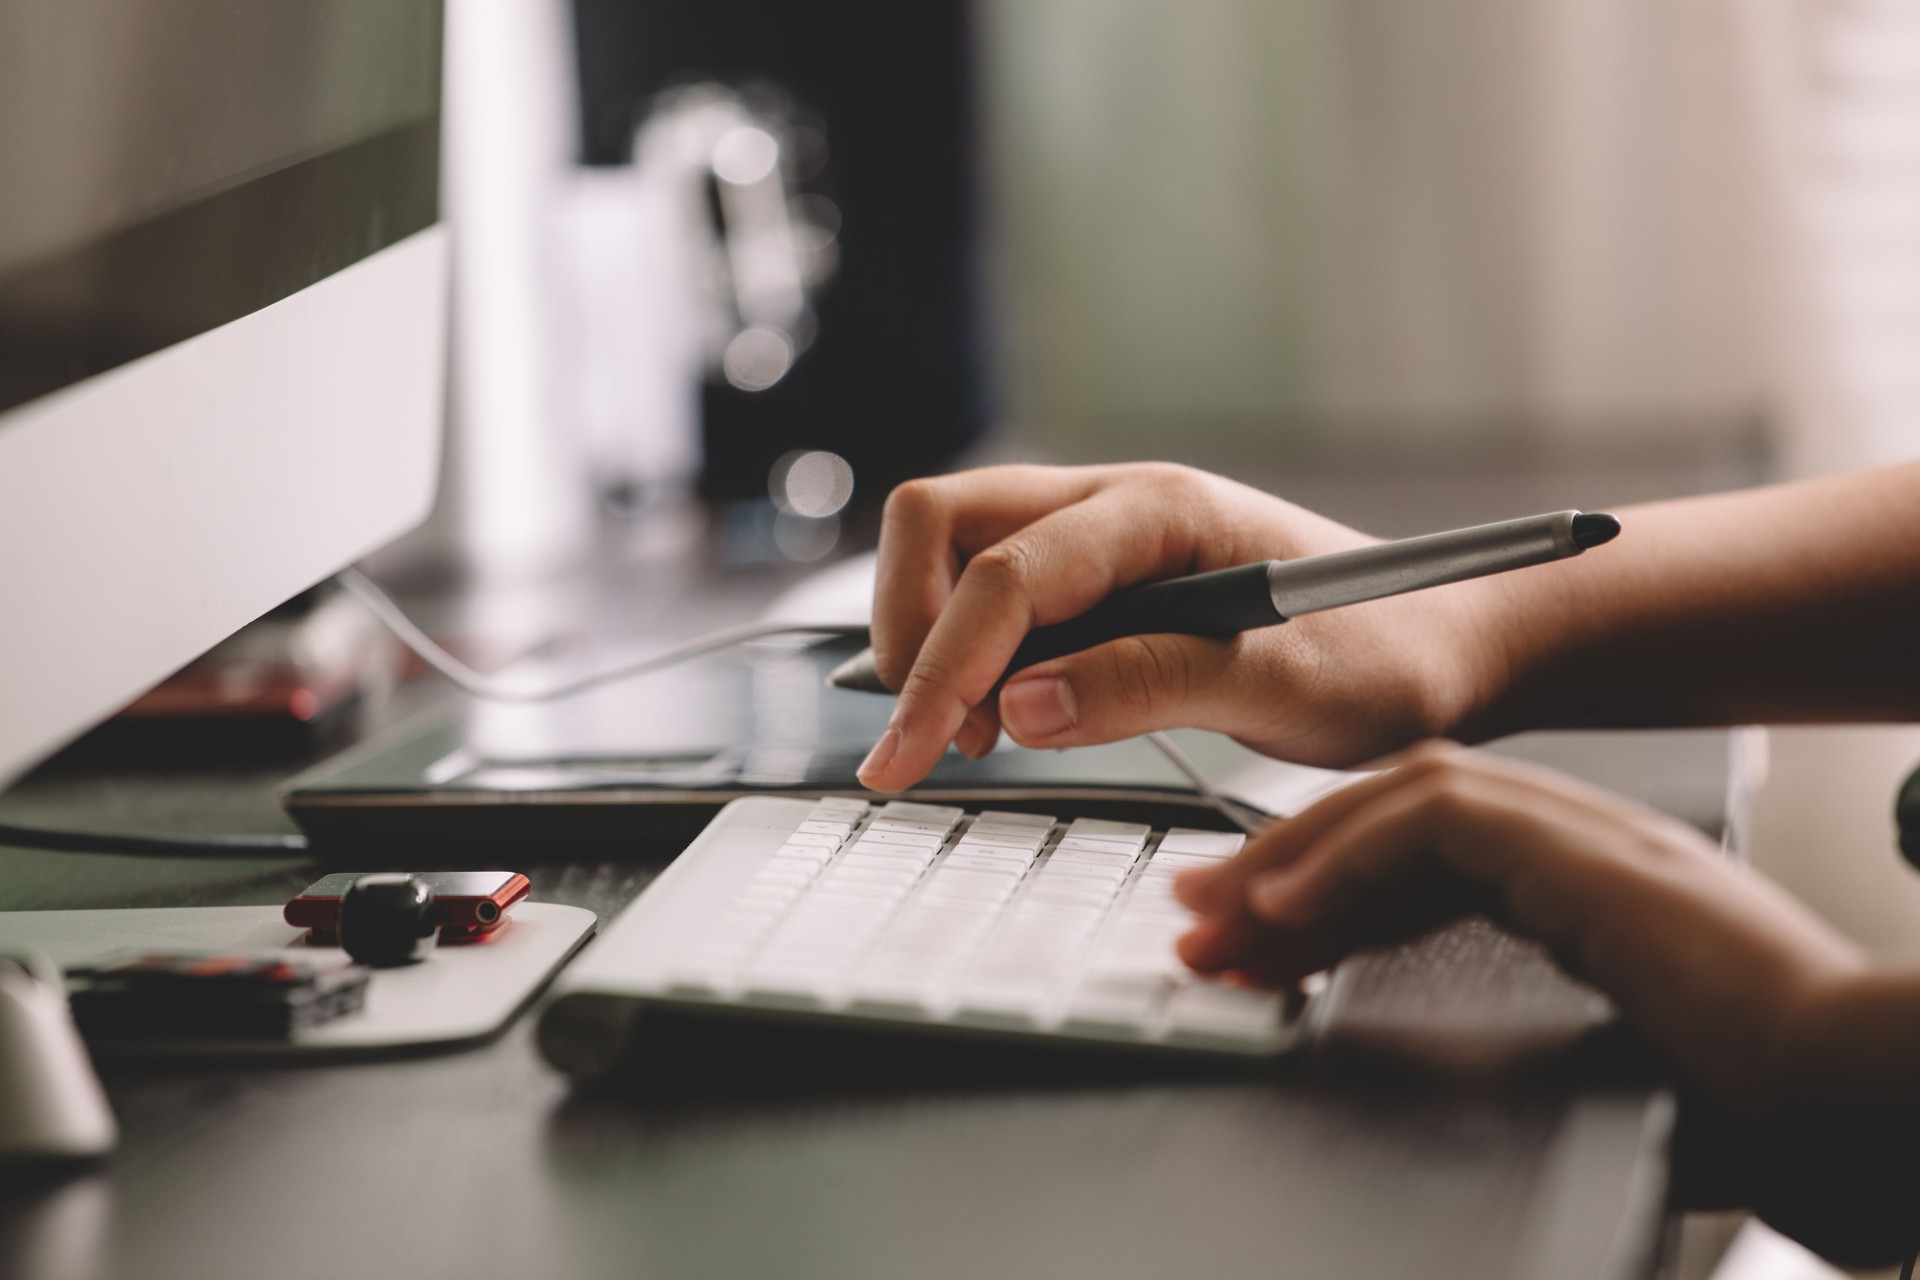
[(1591, 528), (859, 673)]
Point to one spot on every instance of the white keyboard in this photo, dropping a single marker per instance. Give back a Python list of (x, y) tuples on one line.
[(921, 916)]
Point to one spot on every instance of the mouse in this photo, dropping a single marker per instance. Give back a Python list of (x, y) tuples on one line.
[(52, 1107)]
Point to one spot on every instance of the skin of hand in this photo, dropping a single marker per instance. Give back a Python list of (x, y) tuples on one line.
[(1787, 1034), (969, 563), (1793, 602)]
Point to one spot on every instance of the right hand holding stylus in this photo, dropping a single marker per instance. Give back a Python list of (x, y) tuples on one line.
[(970, 563)]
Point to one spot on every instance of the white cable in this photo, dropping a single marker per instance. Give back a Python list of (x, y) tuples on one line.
[(464, 677), (382, 606)]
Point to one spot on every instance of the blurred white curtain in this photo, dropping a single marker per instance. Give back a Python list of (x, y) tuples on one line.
[(1839, 84), (1378, 220), (513, 499)]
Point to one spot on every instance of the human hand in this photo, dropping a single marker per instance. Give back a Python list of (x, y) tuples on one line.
[(1799, 1054), (970, 563), (1713, 963)]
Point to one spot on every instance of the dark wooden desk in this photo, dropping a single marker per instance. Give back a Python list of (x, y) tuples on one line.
[(1458, 1118)]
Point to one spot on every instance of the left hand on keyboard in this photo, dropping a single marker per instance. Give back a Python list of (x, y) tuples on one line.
[(1704, 956), (1803, 1050)]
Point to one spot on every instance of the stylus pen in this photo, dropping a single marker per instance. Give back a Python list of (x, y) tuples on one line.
[(1229, 601)]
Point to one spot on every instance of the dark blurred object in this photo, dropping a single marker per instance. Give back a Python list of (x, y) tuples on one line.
[(238, 993), (1906, 818), (279, 680), (894, 380), (386, 919)]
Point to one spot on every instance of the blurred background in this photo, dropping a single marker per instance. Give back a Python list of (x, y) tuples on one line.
[(729, 269)]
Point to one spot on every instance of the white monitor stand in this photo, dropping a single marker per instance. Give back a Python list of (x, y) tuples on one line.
[(223, 325), (150, 511)]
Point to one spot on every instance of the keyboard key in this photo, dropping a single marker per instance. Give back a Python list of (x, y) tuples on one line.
[(1062, 913), (745, 911), (806, 852), (1072, 888), (856, 894), (1020, 858), (813, 926), (942, 945), (1181, 861), (904, 854), (1105, 872), (975, 862), (1091, 864), (1065, 939), (914, 996), (910, 862), (1206, 1011), (843, 874), (1002, 831), (1006, 818), (842, 804), (917, 825), (1082, 844), (1124, 1003), (1015, 1003), (1158, 960), (791, 986), (1107, 857), (1109, 830), (831, 927), (771, 894), (954, 906), (1036, 960), (994, 878), (896, 952), (1145, 895), (806, 839), (909, 811), (990, 894), (1210, 844), (913, 839), (995, 840), (718, 955), (703, 983)]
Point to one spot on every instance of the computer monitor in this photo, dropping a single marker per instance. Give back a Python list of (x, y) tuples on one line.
[(222, 326)]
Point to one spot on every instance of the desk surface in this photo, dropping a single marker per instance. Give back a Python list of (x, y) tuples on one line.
[(1381, 1156), (1423, 1134)]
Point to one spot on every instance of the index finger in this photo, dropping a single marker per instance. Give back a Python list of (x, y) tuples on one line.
[(931, 527), (1052, 569)]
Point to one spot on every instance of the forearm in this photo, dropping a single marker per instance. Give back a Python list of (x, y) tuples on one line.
[(1805, 1056), (1714, 964), (1847, 1178), (1789, 603)]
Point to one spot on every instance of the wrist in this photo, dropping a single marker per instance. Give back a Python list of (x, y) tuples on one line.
[(1525, 652), (1484, 654)]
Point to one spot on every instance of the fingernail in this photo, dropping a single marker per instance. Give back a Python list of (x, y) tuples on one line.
[(1038, 708), (880, 757)]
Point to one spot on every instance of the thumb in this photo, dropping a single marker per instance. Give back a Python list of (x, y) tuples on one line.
[(1120, 689)]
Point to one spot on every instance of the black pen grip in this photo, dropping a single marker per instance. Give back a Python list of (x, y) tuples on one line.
[(1222, 603)]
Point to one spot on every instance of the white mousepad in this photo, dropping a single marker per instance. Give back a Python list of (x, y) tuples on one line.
[(459, 995)]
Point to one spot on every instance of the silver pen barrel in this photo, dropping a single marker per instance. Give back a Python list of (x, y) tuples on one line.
[(1391, 568)]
